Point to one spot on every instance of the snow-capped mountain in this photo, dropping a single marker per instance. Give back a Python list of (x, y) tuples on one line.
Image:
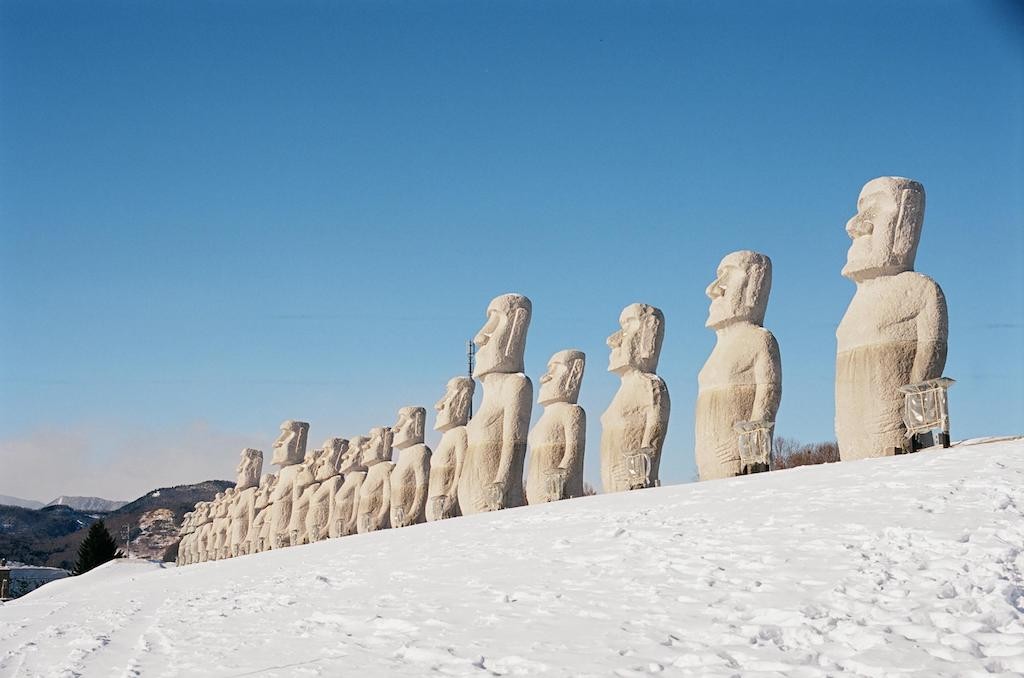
[(6, 500), (88, 504)]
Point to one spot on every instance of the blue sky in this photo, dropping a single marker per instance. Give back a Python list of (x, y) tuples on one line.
[(216, 216)]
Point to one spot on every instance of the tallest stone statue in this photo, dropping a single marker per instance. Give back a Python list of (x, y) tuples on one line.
[(492, 473), (895, 329)]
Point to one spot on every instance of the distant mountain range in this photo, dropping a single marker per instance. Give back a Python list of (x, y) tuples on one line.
[(6, 500), (88, 504), (50, 535)]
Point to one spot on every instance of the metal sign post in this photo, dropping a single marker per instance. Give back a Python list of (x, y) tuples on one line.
[(126, 534)]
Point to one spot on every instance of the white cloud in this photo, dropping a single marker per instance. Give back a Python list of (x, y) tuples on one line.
[(116, 462)]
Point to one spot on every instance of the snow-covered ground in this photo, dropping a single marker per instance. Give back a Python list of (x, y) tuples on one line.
[(906, 566)]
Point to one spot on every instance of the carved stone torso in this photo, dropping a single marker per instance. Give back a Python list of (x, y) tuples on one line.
[(500, 427), (281, 506), (637, 417), (893, 333), (242, 515), (410, 481), (745, 359), (375, 499), (346, 505), (558, 436), (303, 488), (450, 454), (321, 508)]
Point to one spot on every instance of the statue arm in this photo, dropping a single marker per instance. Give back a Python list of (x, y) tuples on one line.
[(515, 425), (575, 430), (422, 486), (384, 512), (768, 380), (656, 422), (461, 445), (932, 332)]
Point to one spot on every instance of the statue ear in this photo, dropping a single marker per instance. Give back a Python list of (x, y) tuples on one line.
[(648, 337), (520, 318), (758, 286), (905, 234), (575, 376)]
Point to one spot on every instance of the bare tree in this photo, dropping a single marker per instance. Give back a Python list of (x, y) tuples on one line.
[(789, 453)]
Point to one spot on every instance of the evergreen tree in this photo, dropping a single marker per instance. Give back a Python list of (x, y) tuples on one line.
[(97, 548)]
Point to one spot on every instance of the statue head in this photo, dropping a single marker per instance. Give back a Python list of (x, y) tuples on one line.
[(267, 481), (334, 450), (290, 446), (453, 408), (249, 468), (561, 383), (740, 289), (501, 342), (229, 494), (886, 228), (353, 459), (378, 446), (312, 457), (408, 430), (637, 344)]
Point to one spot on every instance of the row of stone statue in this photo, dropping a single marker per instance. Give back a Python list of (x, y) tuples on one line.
[(894, 333)]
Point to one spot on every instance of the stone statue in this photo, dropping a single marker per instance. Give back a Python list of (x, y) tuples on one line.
[(742, 379), (492, 473), (446, 462), (243, 509), (895, 330), (303, 487), (193, 548), (346, 501), (205, 542), (185, 533), (222, 525), (410, 479), (558, 439), (328, 478), (374, 508), (259, 534), (633, 427), (289, 452)]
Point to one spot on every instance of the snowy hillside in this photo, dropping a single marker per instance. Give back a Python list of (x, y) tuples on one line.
[(907, 563)]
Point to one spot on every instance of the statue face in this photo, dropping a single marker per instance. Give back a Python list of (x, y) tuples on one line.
[(501, 342), (561, 383), (353, 458), (330, 462), (740, 290), (408, 430), (638, 342), (886, 228), (453, 409), (249, 467), (378, 446), (290, 446)]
